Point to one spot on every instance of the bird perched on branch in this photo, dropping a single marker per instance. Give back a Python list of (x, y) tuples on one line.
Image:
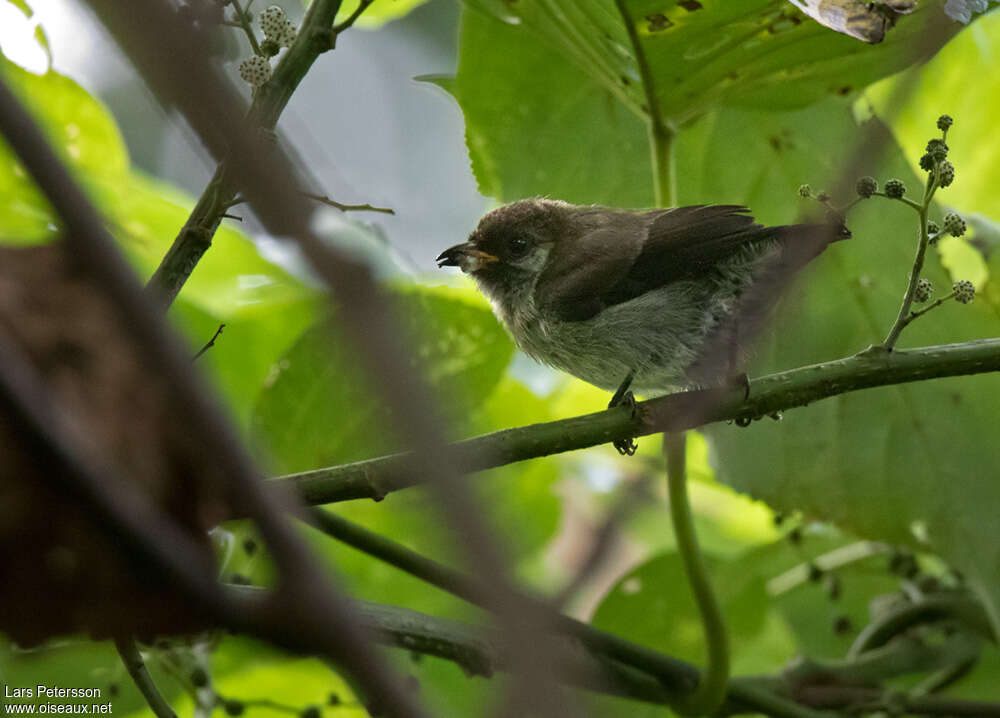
[(653, 300)]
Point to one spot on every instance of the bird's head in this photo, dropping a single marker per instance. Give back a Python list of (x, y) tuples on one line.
[(510, 247)]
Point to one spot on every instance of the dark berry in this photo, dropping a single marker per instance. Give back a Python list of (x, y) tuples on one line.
[(199, 677), (944, 122), (866, 187), (946, 174), (965, 291), (938, 149), (895, 188), (233, 707)]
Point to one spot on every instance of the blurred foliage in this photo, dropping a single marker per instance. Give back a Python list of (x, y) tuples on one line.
[(766, 100)]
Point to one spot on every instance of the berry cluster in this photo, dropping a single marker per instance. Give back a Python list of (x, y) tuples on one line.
[(278, 31)]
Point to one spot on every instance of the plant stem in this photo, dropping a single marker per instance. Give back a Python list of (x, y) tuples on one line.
[(962, 608), (711, 691), (244, 23), (661, 135), (902, 319), (143, 681)]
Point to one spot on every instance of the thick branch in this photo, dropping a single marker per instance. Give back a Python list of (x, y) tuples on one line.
[(375, 478)]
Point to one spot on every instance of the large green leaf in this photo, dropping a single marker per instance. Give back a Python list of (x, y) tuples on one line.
[(553, 98), (80, 129), (320, 407), (911, 463), (653, 605)]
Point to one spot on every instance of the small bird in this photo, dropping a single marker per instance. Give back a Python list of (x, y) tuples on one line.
[(655, 300)]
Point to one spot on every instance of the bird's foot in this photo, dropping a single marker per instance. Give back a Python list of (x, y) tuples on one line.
[(740, 380), (624, 397)]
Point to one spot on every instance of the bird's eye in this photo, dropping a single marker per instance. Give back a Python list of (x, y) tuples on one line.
[(517, 247)]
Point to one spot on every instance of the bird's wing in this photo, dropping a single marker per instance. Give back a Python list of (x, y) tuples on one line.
[(674, 244)]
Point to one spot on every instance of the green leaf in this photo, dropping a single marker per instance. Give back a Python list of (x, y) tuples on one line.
[(652, 605), (81, 131), (536, 125), (379, 13), (320, 408), (553, 96), (905, 464)]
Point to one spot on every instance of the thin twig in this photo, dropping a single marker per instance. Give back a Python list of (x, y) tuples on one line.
[(130, 656), (211, 342), (933, 305), (243, 21), (348, 207), (352, 18)]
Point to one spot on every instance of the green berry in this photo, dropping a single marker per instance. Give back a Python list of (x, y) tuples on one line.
[(927, 162), (932, 228), (233, 707), (805, 191), (270, 48), (895, 188), (256, 70), (272, 22), (938, 149), (944, 122), (964, 290), (954, 225), (866, 187), (310, 712), (946, 174), (923, 291)]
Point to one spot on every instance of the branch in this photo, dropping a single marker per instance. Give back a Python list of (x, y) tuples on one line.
[(348, 207), (678, 677), (315, 37), (144, 682), (375, 478)]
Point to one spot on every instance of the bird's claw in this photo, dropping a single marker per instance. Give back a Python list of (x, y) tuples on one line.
[(741, 380), (625, 447)]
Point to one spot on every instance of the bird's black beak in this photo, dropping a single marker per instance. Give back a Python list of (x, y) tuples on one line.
[(466, 256)]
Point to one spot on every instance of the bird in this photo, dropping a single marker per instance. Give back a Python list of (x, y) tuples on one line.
[(654, 300)]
